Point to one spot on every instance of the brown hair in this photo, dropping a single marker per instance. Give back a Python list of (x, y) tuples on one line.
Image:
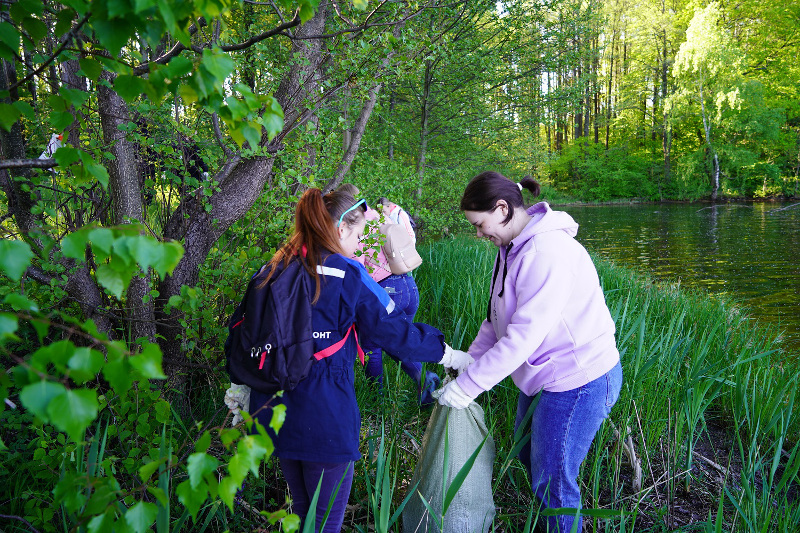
[(485, 189), (315, 231)]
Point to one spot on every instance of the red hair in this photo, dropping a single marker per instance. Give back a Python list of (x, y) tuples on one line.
[(314, 234)]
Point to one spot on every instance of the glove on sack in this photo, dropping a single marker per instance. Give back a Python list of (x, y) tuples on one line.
[(237, 397), (451, 395), (456, 359)]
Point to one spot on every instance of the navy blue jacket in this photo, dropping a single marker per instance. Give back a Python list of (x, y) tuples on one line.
[(323, 421)]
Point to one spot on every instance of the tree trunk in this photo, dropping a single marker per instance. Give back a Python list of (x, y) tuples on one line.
[(355, 142), (126, 198), (425, 108), (240, 184)]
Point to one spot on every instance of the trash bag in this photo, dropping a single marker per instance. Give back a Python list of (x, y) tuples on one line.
[(472, 509)]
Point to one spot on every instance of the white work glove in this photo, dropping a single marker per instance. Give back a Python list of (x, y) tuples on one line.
[(451, 395), (456, 359), (237, 397)]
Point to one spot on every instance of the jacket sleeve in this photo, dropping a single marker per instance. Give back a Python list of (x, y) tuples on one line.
[(484, 340), (379, 321), (543, 285)]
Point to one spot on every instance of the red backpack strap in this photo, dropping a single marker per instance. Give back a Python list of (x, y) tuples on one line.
[(333, 348)]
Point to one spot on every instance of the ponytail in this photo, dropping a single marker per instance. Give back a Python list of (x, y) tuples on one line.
[(314, 235), (485, 189)]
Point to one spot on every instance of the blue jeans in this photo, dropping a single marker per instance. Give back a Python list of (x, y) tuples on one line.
[(563, 426), (303, 477), (402, 289)]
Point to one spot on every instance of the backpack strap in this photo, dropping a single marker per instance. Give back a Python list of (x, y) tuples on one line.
[(333, 348)]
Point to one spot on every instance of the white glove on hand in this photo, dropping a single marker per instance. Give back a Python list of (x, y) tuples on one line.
[(451, 395), (237, 397), (456, 359)]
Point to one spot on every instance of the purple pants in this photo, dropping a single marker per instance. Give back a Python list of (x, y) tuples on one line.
[(303, 478)]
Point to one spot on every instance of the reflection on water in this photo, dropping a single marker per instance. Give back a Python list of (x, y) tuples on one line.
[(750, 251)]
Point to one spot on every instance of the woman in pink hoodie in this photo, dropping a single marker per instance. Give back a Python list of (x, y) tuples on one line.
[(549, 328)]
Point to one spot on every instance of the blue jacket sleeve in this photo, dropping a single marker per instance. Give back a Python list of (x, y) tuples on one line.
[(380, 322)]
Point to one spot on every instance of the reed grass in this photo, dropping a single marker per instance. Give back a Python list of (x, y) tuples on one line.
[(703, 437)]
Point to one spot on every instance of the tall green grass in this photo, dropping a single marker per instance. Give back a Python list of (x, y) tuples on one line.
[(706, 414)]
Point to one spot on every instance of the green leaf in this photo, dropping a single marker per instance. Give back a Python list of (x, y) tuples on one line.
[(118, 374), (37, 396), (75, 97), (102, 238), (360, 5), (102, 523), (64, 23), (66, 155), (170, 256), (191, 499), (74, 244), (203, 442), (114, 33), (253, 135), (19, 302), (35, 28), (218, 65), (130, 87), (94, 168), (60, 120), (8, 325), (112, 280), (278, 417), (227, 491), (163, 410), (84, 364), (141, 516), (272, 120), (91, 68), (9, 36), (199, 465), (56, 354), (146, 471), (8, 116), (73, 410), (148, 362), (15, 257), (26, 8), (25, 108)]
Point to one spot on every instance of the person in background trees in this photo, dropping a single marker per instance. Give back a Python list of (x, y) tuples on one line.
[(402, 289), (396, 215), (318, 442), (549, 328)]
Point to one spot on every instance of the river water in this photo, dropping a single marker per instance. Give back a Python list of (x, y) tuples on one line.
[(750, 251)]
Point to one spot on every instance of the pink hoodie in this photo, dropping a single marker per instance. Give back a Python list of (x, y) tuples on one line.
[(376, 272), (550, 327)]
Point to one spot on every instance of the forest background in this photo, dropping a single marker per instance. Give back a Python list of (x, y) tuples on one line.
[(152, 152)]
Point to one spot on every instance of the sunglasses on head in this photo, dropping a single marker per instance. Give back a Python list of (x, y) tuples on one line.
[(355, 206)]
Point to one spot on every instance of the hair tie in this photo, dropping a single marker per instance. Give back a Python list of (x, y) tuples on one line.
[(519, 185)]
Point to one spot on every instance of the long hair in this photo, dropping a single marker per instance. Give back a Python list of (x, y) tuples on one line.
[(485, 189), (315, 234)]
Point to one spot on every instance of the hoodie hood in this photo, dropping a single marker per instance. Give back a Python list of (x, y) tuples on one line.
[(544, 219)]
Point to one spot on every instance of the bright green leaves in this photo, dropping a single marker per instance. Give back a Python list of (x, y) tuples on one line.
[(15, 257), (200, 466), (148, 362), (9, 41), (70, 411), (73, 411), (141, 516), (121, 252), (361, 5)]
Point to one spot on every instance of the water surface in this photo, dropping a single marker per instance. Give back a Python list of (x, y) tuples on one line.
[(749, 251)]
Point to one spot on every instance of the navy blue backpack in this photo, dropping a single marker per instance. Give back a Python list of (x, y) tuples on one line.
[(270, 344)]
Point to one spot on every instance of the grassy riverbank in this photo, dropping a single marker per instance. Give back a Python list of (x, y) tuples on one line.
[(704, 434)]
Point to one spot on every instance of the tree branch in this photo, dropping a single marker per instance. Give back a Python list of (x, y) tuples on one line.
[(28, 163), (52, 58)]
